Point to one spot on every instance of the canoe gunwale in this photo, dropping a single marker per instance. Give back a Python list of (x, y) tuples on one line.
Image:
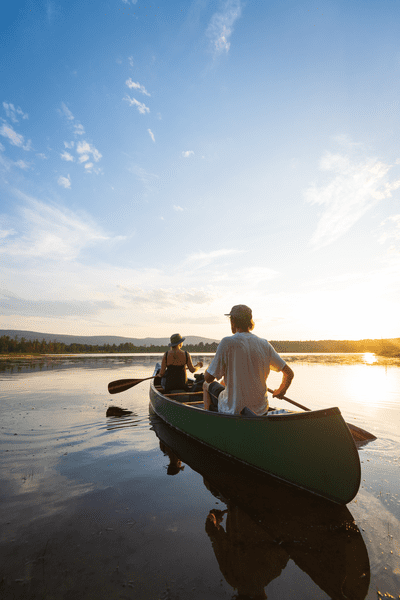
[(312, 414)]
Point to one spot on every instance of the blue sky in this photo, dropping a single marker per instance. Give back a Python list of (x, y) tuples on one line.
[(162, 162)]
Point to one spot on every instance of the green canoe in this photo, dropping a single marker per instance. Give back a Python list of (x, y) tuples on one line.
[(312, 450)]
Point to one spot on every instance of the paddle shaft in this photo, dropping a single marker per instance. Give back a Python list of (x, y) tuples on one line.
[(292, 401)]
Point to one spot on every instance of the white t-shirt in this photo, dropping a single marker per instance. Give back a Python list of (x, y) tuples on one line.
[(244, 361)]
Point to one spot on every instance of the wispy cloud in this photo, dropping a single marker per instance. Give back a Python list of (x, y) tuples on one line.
[(51, 11), (136, 86), (16, 139), (12, 112), (187, 153), (177, 208), (11, 304), (4, 233), (202, 259), (391, 230), (142, 108), (22, 164), (353, 186), (220, 28), (50, 231), (77, 127), (164, 298), (151, 134), (144, 176), (65, 182)]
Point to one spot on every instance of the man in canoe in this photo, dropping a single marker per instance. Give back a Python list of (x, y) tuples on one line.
[(244, 361)]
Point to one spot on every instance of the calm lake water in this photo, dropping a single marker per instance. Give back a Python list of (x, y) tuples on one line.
[(124, 507)]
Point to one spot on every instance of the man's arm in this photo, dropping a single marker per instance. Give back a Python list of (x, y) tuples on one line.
[(207, 377), (287, 376)]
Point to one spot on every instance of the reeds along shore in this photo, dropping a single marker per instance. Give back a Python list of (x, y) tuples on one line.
[(12, 346)]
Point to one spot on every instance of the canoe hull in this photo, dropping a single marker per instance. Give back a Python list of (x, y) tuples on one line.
[(312, 450)]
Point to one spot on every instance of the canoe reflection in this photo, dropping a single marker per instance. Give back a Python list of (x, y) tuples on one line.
[(266, 523)]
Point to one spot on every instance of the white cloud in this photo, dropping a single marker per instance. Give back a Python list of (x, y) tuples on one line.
[(221, 25), (16, 139), (187, 153), (353, 186), (69, 145), (11, 304), (85, 150), (4, 233), (67, 156), (165, 298), (12, 112), (66, 112), (21, 164), (51, 231), (77, 127), (200, 260), (136, 86), (64, 182), (142, 108), (177, 208), (151, 134), (391, 227), (2, 148), (130, 59), (144, 176)]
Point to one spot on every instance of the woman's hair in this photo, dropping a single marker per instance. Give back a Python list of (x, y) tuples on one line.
[(244, 323)]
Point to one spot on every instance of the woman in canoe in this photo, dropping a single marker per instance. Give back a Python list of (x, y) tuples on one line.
[(174, 363)]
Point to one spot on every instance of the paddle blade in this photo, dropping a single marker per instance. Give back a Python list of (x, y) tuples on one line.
[(121, 385), (360, 435)]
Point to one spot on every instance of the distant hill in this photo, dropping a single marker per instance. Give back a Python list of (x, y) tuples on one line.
[(99, 340)]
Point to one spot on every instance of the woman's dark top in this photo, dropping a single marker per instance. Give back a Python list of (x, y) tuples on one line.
[(175, 376)]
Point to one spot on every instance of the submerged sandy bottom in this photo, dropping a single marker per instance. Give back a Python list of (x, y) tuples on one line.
[(102, 507)]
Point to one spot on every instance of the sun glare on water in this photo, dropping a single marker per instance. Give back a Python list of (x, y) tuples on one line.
[(368, 385), (369, 358)]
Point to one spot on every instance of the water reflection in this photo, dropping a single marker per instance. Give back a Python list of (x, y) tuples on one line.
[(266, 523)]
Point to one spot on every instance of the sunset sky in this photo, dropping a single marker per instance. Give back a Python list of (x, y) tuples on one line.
[(162, 162)]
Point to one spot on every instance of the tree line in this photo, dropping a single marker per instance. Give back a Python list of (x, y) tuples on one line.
[(23, 346)]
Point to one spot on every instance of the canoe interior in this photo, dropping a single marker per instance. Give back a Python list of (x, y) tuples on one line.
[(312, 450)]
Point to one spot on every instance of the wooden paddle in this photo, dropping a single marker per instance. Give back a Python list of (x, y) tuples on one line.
[(121, 385), (359, 435)]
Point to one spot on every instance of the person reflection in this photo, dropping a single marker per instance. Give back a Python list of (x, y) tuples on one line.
[(175, 463), (248, 558)]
